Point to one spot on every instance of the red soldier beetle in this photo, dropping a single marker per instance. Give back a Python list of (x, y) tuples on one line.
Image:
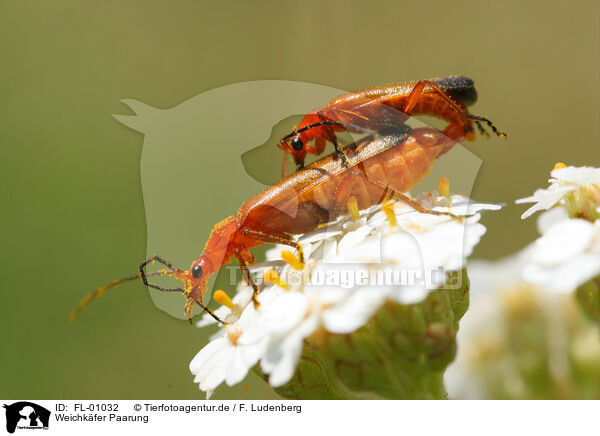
[(446, 98), (380, 168)]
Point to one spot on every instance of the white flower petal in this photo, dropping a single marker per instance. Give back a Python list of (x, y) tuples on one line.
[(544, 199), (562, 242), (463, 206), (565, 256), (212, 371), (410, 294), (551, 217), (285, 311), (377, 220), (353, 312), (319, 235), (200, 360), (330, 249), (580, 176), (353, 238), (369, 252), (566, 277), (564, 181), (242, 360), (488, 280), (282, 357)]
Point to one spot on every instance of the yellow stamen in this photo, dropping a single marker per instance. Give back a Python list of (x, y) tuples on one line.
[(353, 208), (223, 299), (558, 166), (271, 276), (444, 186), (388, 208), (292, 260)]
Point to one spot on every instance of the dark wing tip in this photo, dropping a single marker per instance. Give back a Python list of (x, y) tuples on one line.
[(460, 87)]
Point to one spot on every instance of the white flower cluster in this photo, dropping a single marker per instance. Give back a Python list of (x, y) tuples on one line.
[(352, 267), (487, 360), (568, 253), (565, 256), (481, 325), (565, 180)]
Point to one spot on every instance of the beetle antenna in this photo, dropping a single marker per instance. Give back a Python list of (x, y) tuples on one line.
[(382, 123), (312, 126), (98, 292)]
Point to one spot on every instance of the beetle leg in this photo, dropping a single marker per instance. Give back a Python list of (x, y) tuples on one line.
[(457, 131), (491, 125), (418, 91), (210, 312), (248, 279), (334, 141), (412, 203), (166, 263), (328, 126), (351, 186), (269, 238), (481, 129), (170, 270)]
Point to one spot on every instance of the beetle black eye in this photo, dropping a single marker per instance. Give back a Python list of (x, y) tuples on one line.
[(297, 143), (197, 272)]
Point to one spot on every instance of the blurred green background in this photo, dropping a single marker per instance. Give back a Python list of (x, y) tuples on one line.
[(72, 208)]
